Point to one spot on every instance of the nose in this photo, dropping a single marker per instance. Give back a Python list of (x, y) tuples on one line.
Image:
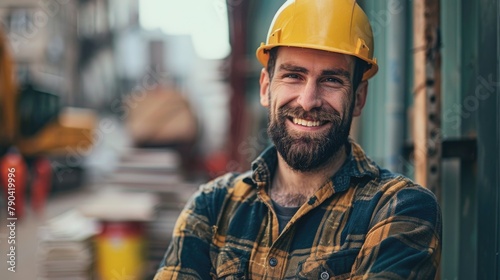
[(310, 98)]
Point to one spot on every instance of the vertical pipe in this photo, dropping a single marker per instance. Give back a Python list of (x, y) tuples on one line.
[(238, 30), (395, 80), (467, 188), (452, 25)]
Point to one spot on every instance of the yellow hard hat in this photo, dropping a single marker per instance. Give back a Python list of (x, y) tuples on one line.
[(338, 26)]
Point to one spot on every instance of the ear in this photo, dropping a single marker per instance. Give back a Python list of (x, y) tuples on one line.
[(361, 93), (264, 87)]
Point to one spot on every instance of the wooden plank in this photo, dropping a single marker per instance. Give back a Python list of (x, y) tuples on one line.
[(420, 100), (427, 98)]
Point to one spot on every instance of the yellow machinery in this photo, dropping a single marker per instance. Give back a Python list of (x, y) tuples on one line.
[(54, 131), (8, 91)]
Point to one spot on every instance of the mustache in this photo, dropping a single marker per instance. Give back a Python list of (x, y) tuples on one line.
[(319, 114)]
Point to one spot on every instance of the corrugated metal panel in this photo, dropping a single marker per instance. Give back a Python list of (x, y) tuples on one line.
[(451, 31), (373, 131), (487, 91)]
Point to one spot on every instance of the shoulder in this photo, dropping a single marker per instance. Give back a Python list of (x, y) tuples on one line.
[(401, 197), (213, 195), (399, 186), (388, 184)]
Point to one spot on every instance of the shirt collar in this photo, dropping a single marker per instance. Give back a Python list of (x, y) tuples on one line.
[(357, 164)]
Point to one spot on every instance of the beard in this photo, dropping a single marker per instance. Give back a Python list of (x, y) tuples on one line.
[(305, 152)]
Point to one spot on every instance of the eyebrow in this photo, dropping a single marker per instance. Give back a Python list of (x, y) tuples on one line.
[(293, 68), (336, 72), (326, 72)]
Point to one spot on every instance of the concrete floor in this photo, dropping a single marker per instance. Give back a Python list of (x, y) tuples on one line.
[(26, 233)]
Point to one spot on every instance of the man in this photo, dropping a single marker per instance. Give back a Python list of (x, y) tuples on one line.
[(313, 206)]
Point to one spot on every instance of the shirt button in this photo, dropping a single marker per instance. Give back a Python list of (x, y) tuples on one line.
[(273, 262), (324, 275)]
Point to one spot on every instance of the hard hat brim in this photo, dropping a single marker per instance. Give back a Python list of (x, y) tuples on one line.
[(262, 54)]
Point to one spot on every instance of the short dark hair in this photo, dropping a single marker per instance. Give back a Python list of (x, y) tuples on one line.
[(271, 62), (360, 67)]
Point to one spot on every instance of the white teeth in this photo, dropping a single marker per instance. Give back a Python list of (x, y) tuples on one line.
[(305, 122)]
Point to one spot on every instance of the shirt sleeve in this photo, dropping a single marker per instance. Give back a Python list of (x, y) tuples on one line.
[(404, 240), (187, 256)]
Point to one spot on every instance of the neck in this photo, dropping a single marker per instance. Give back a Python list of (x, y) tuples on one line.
[(293, 188)]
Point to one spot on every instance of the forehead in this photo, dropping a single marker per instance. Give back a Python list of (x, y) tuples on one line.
[(314, 59)]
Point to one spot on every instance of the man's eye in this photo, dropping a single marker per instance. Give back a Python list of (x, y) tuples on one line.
[(333, 80), (291, 76)]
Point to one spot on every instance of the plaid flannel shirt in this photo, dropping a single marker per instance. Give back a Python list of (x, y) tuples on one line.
[(364, 223)]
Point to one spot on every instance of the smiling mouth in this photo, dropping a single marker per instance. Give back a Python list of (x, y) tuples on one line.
[(307, 123)]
